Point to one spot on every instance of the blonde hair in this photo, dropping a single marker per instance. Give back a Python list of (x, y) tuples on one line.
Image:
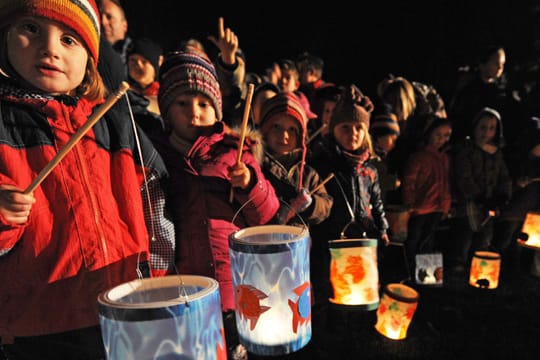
[(399, 93), (368, 142), (92, 87)]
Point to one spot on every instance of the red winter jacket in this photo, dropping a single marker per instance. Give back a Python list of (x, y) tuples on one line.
[(199, 202), (86, 231)]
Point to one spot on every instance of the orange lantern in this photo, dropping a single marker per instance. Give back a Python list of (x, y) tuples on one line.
[(354, 273), (531, 227), (485, 268), (396, 311)]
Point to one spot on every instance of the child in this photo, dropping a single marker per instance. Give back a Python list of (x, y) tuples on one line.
[(384, 131), (357, 211), (82, 230), (144, 56), (426, 187), (200, 153), (283, 126), (482, 186)]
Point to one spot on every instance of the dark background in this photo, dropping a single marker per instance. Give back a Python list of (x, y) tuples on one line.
[(360, 42)]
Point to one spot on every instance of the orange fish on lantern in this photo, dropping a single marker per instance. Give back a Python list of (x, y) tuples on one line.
[(301, 309), (248, 303)]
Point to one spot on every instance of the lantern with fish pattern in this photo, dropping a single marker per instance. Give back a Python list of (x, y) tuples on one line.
[(270, 269)]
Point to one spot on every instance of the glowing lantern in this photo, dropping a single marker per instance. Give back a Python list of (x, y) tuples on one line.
[(531, 227), (353, 272), (485, 268), (177, 316), (429, 269), (270, 269), (396, 310)]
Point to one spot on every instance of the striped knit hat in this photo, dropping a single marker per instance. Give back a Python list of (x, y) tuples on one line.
[(187, 71), (80, 15), (385, 123)]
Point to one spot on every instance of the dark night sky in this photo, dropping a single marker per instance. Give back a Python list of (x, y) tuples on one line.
[(424, 42)]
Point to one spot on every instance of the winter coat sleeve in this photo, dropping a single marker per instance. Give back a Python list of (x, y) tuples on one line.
[(259, 202)]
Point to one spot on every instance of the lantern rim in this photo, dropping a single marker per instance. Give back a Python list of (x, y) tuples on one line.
[(389, 291), (113, 297), (354, 242)]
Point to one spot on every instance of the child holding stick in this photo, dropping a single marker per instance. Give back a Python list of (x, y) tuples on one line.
[(82, 230), (200, 152), (284, 129)]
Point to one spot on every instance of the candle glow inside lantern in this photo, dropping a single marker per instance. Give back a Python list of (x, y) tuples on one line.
[(175, 316), (354, 273), (271, 280), (485, 268), (396, 310), (531, 227)]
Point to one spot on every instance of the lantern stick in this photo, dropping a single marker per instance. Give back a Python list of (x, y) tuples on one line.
[(328, 178), (109, 102), (317, 132), (245, 119)]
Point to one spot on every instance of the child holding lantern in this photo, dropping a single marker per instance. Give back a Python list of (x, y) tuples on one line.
[(200, 152), (82, 230)]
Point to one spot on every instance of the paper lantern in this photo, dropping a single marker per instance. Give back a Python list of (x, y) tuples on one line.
[(176, 316), (429, 269), (485, 268), (270, 269), (396, 310), (531, 227), (354, 273)]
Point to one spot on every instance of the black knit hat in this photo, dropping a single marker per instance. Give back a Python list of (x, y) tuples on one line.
[(148, 49)]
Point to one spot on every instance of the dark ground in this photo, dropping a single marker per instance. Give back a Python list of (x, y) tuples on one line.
[(453, 321)]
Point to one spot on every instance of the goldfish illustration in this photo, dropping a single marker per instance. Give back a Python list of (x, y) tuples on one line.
[(301, 309), (248, 303)]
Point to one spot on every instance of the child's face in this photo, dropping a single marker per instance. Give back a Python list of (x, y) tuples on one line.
[(485, 130), (289, 81), (327, 110), (47, 54), (141, 70), (188, 113), (284, 133), (440, 136), (349, 135), (386, 142)]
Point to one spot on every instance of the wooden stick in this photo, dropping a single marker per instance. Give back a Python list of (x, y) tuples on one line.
[(317, 132), (245, 119), (328, 178), (109, 102)]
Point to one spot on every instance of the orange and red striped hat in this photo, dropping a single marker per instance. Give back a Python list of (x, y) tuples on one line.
[(80, 15)]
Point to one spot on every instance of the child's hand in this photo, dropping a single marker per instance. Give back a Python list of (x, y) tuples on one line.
[(302, 201), (15, 206), (227, 42), (385, 239), (239, 175)]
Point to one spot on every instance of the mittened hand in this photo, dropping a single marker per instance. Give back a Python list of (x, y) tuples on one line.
[(302, 201)]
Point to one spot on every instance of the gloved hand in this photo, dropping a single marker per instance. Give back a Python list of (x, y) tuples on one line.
[(300, 203)]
